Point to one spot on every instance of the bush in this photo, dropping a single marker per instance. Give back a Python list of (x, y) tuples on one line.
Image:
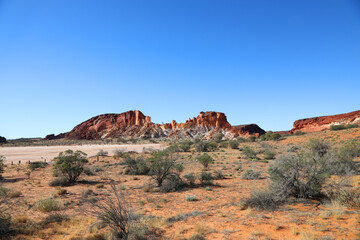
[(205, 159), (218, 137), (185, 146), (205, 146), (349, 198), (114, 212), (34, 165), (136, 166), (2, 165), (252, 139), (218, 175), (269, 154), (251, 175), (71, 164), (59, 182), (206, 178), (47, 205), (298, 133), (304, 174), (268, 136), (190, 177), (264, 200), (172, 183), (162, 165), (233, 144), (342, 127), (249, 153), (5, 221), (119, 153), (173, 148), (55, 218), (102, 153), (345, 164), (191, 198)]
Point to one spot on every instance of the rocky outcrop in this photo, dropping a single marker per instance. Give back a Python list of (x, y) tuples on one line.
[(3, 140), (323, 123), (136, 124)]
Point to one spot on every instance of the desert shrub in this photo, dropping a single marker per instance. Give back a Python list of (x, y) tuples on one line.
[(5, 222), (206, 178), (89, 172), (205, 159), (102, 153), (2, 165), (162, 165), (344, 164), (34, 165), (185, 146), (203, 146), (191, 198), (136, 166), (71, 164), (304, 174), (3, 192), (59, 181), (218, 175), (249, 153), (292, 148), (349, 198), (251, 174), (242, 140), (172, 183), (342, 127), (119, 153), (190, 177), (264, 200), (47, 205), (234, 144), (270, 135), (269, 154), (115, 212), (173, 148), (252, 139), (55, 218), (218, 137), (298, 133)]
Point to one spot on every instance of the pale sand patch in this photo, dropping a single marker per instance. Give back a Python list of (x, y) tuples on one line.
[(41, 153)]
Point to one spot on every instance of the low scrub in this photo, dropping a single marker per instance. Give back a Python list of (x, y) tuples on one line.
[(47, 205), (136, 166), (342, 127), (251, 174), (35, 165)]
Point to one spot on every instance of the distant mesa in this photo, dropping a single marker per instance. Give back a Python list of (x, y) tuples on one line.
[(136, 124), (323, 123), (3, 139)]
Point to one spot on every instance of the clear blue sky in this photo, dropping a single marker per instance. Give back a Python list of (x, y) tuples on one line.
[(258, 61)]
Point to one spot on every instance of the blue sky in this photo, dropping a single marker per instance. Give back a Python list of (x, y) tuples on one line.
[(258, 61)]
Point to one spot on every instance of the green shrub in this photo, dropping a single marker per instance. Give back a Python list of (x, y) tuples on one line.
[(304, 174), (203, 146), (344, 164), (342, 127), (185, 146), (136, 166), (298, 133), (206, 178), (233, 144), (269, 154), (249, 153), (251, 174), (205, 159), (264, 200), (172, 183), (34, 165), (218, 175), (349, 198), (119, 153), (47, 205), (252, 139), (5, 222), (268, 136), (71, 164), (59, 181), (190, 177), (218, 137)]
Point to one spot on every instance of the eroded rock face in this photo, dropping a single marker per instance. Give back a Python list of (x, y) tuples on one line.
[(136, 124), (323, 123), (3, 140)]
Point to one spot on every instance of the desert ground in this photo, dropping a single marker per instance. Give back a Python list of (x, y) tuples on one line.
[(42, 153), (212, 211)]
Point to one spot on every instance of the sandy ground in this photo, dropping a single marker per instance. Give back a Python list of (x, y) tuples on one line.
[(41, 153)]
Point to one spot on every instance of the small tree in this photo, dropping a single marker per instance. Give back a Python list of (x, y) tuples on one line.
[(218, 137), (162, 165), (205, 159), (234, 144), (2, 165), (185, 146), (71, 164)]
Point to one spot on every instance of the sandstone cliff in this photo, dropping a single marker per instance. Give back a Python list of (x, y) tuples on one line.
[(136, 124), (322, 123)]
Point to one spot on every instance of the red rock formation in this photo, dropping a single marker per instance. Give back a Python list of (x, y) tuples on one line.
[(136, 124), (322, 123)]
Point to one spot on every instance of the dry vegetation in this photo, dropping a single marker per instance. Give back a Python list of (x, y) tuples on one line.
[(223, 194)]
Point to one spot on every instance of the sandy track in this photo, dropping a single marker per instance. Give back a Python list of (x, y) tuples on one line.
[(38, 153)]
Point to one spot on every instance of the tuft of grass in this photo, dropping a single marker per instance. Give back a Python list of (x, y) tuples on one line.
[(47, 205), (191, 198)]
